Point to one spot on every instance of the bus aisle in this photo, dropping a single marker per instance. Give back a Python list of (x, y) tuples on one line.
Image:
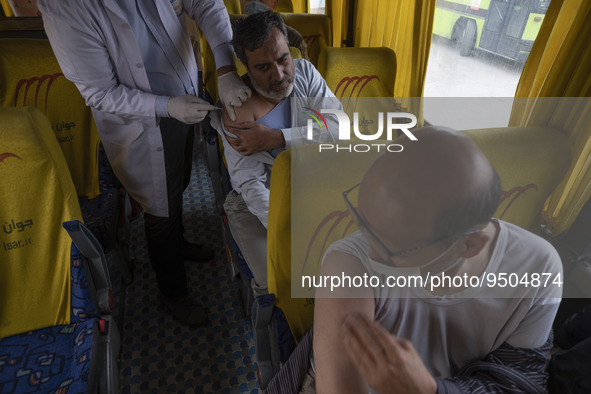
[(158, 354)]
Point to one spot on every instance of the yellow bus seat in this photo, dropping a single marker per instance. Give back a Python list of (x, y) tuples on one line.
[(233, 6), (315, 30), (531, 161), (359, 72), (356, 75), (36, 196), (55, 292), (30, 75), (284, 6)]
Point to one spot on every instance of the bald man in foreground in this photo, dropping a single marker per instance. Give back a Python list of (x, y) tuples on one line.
[(426, 213)]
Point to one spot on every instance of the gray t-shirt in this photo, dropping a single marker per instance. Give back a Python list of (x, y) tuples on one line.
[(448, 332)]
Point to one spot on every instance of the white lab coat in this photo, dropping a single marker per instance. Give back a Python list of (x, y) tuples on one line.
[(97, 50)]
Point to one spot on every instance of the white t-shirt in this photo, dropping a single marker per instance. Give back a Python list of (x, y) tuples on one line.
[(448, 332)]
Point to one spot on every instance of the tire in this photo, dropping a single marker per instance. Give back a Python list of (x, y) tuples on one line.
[(468, 38), (457, 30)]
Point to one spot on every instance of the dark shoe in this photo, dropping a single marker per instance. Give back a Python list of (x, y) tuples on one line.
[(186, 310), (197, 253)]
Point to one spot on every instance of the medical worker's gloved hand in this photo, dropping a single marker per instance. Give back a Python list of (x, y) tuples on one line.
[(232, 91), (188, 109)]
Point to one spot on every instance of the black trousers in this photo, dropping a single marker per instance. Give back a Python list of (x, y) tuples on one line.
[(165, 234)]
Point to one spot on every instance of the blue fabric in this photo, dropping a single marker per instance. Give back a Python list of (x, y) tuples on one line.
[(100, 213), (50, 360), (82, 306), (53, 359), (278, 118), (242, 262), (106, 177)]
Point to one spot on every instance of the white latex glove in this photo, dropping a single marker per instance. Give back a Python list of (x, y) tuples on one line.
[(233, 92), (188, 109)]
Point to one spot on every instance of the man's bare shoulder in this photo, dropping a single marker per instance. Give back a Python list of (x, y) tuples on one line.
[(244, 113), (252, 109)]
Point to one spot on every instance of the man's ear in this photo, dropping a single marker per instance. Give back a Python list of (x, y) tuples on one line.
[(474, 243)]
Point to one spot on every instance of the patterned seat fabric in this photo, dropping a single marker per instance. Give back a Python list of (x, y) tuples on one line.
[(100, 213), (54, 359), (50, 360), (81, 307), (58, 358)]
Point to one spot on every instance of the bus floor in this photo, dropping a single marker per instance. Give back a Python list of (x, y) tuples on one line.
[(160, 355)]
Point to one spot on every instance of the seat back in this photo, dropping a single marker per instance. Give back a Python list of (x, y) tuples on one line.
[(233, 6), (36, 196), (315, 30), (530, 161), (358, 75), (30, 76), (284, 6), (359, 72)]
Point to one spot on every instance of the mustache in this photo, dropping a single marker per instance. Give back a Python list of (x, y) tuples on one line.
[(284, 80)]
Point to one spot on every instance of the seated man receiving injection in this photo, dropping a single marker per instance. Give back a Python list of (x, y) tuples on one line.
[(263, 128)]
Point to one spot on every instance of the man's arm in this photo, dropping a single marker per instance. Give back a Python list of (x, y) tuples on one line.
[(213, 19), (391, 365), (258, 138), (247, 174), (316, 94), (335, 370), (251, 137)]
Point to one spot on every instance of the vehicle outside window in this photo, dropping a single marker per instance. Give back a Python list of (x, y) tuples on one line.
[(478, 49)]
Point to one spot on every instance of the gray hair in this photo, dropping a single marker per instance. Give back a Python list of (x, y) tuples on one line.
[(252, 32)]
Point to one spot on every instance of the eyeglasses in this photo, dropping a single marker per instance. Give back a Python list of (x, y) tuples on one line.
[(386, 252)]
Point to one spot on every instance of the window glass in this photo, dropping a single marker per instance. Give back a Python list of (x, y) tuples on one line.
[(478, 49), (318, 6)]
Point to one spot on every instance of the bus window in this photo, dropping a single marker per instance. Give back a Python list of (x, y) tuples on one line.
[(317, 6), (478, 49), (503, 27)]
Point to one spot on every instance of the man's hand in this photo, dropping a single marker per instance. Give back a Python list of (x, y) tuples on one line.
[(254, 137), (188, 109), (388, 364), (232, 91)]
